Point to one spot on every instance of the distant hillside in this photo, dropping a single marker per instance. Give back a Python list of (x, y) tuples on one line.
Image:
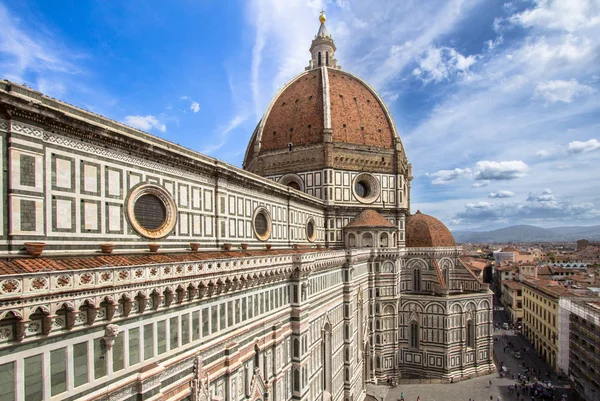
[(525, 233)]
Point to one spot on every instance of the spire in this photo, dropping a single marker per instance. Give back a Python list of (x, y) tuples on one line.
[(322, 48)]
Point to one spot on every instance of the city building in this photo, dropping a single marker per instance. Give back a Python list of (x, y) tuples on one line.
[(512, 299), (545, 319), (584, 348), (133, 268)]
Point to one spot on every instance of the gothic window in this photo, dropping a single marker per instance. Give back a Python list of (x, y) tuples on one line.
[(470, 334), (319, 62), (416, 279), (414, 335), (296, 379), (326, 357), (256, 357)]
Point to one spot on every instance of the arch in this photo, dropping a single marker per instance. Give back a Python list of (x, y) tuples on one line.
[(292, 180), (456, 308), (388, 310), (430, 306), (446, 263), (367, 240), (471, 306), (416, 263), (384, 240), (388, 267), (484, 304), (351, 240), (412, 306)]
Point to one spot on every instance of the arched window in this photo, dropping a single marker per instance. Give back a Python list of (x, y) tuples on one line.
[(319, 62), (414, 335), (417, 280), (327, 59), (367, 240), (326, 359), (383, 240), (256, 357), (351, 240), (470, 334), (296, 379)]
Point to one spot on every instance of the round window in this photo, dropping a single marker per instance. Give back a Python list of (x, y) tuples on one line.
[(362, 189), (293, 181), (311, 233), (151, 211), (262, 224), (366, 188)]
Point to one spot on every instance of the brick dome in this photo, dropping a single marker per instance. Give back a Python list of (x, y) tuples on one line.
[(424, 231), (324, 105)]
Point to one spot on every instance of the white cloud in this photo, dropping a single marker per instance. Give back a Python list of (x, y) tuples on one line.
[(501, 194), (447, 176), (565, 15), (544, 153), (194, 106), (583, 147), (561, 91), (34, 57), (224, 131), (545, 196), (541, 208), (505, 170), (480, 184), (145, 123), (443, 63)]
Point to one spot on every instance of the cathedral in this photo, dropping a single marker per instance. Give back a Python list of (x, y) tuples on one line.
[(133, 268)]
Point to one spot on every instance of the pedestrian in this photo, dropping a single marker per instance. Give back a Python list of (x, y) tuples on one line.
[(490, 383)]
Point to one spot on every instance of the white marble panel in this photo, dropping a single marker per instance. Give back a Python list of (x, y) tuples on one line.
[(90, 215), (114, 218), (64, 209), (114, 183), (90, 178), (63, 174)]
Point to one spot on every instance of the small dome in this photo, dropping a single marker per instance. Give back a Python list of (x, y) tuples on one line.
[(370, 219), (424, 231)]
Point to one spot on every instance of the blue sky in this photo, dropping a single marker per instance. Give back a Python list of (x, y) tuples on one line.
[(497, 103)]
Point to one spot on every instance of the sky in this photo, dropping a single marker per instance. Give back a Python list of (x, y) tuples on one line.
[(497, 103)]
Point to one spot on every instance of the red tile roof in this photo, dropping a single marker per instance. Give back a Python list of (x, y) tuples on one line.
[(369, 219), (23, 265), (426, 231)]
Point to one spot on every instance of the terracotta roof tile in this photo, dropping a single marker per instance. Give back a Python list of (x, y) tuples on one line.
[(424, 231), (56, 263), (369, 218)]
